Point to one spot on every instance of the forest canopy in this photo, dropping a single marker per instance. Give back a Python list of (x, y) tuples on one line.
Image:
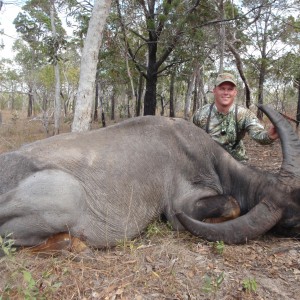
[(156, 57)]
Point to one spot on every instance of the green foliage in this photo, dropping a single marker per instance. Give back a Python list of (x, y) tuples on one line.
[(158, 228), (153, 229), (81, 13), (30, 291), (34, 25), (126, 244), (231, 11), (150, 24), (219, 247), (249, 285), (162, 18), (6, 245), (212, 283), (167, 6), (22, 285)]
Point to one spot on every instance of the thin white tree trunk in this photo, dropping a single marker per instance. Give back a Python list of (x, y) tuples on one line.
[(57, 101), (130, 78), (188, 98), (88, 68), (201, 87)]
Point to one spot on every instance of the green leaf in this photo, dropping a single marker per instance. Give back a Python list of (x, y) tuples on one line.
[(27, 276)]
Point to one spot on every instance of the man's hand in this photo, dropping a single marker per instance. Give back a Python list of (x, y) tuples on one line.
[(273, 135)]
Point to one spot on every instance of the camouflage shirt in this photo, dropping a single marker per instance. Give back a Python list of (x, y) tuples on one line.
[(222, 128)]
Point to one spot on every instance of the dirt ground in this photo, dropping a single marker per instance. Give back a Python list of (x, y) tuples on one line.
[(160, 264)]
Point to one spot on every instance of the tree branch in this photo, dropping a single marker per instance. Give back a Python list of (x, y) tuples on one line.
[(128, 48)]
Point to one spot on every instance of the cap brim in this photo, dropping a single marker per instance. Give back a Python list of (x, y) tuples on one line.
[(227, 80)]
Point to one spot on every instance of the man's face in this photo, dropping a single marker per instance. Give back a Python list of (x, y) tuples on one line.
[(225, 94)]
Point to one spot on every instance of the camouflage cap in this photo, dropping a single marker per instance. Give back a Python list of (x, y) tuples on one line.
[(225, 77)]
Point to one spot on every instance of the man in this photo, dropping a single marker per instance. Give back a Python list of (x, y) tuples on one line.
[(227, 123)]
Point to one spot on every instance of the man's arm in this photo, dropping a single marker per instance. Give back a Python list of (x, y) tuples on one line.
[(257, 132)]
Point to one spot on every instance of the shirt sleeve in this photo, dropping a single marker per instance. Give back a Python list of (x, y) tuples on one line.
[(255, 129), (200, 117)]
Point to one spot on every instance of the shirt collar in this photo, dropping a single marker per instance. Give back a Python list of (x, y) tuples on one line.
[(231, 109)]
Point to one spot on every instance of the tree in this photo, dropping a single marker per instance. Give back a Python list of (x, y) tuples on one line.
[(265, 33), (27, 60), (160, 27), (88, 67), (41, 28), (10, 90)]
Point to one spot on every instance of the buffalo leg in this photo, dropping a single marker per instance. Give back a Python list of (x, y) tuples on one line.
[(203, 204), (43, 204), (57, 242), (215, 209)]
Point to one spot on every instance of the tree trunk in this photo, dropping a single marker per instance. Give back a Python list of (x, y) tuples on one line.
[(139, 96), (113, 99), (102, 111), (30, 103), (57, 105), (150, 96), (172, 88), (201, 86), (151, 82), (133, 94), (95, 118), (128, 104), (261, 91), (89, 60), (191, 85), (45, 120), (239, 65), (263, 66), (298, 105), (162, 102), (100, 101), (196, 95), (57, 110)]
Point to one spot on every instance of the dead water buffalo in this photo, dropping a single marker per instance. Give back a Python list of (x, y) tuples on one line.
[(107, 185)]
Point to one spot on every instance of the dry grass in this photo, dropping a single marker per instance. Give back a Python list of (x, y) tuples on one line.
[(161, 264), (17, 130)]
